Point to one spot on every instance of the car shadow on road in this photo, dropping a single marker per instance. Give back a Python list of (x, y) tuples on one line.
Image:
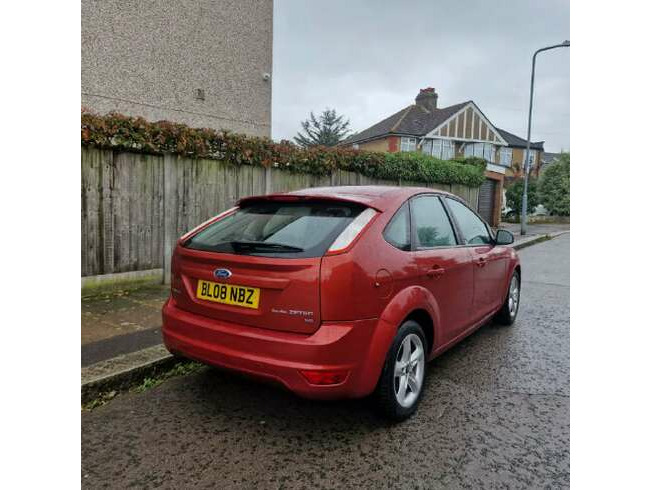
[(218, 394)]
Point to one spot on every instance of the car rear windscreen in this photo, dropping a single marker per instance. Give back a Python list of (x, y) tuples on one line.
[(278, 229)]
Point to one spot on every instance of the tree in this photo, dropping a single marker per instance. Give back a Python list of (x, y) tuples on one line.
[(554, 188), (328, 129), (514, 194)]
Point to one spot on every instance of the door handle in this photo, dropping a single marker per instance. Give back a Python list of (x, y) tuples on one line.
[(435, 272), (480, 262)]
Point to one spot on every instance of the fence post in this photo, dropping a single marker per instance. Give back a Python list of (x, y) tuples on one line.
[(169, 218), (268, 187)]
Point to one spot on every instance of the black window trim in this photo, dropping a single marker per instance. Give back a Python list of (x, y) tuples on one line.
[(457, 237)]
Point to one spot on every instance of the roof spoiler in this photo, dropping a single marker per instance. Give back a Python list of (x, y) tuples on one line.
[(308, 197)]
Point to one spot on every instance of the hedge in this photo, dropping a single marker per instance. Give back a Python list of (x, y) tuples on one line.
[(116, 131)]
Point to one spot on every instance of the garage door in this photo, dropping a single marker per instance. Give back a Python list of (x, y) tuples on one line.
[(486, 200)]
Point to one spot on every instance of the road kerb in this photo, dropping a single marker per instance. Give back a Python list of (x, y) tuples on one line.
[(538, 239), (124, 372)]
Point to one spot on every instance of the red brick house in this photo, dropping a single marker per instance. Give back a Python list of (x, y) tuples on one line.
[(447, 132)]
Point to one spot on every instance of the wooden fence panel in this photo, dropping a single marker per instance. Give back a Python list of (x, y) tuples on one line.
[(134, 206), (95, 187)]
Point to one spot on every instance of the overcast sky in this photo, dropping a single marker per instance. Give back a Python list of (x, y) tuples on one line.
[(368, 58)]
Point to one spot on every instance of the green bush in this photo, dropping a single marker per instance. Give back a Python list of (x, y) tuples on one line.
[(554, 188), (424, 168), (116, 131), (514, 196)]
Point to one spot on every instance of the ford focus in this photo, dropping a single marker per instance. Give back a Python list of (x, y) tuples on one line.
[(339, 292)]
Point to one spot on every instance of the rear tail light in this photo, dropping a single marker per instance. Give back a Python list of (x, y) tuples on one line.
[(176, 282), (352, 231), (330, 377)]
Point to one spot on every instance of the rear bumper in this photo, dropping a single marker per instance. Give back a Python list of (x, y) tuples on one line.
[(278, 356)]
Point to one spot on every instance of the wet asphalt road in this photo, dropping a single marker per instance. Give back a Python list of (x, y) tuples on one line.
[(495, 414)]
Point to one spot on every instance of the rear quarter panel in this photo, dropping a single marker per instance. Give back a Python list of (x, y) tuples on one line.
[(360, 283)]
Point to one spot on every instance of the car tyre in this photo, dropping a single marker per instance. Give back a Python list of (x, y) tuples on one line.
[(508, 312), (401, 383)]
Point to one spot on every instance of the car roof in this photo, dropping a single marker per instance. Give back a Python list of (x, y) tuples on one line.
[(379, 197)]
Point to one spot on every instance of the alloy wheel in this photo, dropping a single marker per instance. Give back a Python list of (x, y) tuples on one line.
[(513, 295), (409, 370)]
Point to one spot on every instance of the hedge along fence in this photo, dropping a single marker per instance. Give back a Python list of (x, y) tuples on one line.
[(139, 194), (118, 132)]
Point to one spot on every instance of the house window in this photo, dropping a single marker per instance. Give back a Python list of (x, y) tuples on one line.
[(437, 149), (355, 146), (505, 157), (531, 159), (490, 153), (407, 144), (481, 150), (443, 149), (426, 147), (447, 150)]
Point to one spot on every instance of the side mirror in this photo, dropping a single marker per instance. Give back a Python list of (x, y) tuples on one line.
[(504, 237)]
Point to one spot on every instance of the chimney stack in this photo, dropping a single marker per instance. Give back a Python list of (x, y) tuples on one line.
[(427, 99)]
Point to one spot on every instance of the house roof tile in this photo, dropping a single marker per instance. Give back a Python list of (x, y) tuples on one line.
[(413, 120), (514, 140)]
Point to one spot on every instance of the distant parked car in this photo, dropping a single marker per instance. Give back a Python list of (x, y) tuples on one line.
[(540, 210), (339, 292)]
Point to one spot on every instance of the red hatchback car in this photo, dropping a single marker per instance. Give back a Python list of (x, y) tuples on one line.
[(339, 292)]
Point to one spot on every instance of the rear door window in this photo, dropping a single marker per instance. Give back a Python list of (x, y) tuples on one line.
[(431, 223), (278, 229)]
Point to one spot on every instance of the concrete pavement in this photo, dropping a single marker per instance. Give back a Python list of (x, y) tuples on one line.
[(495, 414)]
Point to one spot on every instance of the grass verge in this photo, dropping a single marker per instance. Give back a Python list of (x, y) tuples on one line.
[(181, 368)]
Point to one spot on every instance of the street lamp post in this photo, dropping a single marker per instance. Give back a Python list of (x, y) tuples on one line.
[(524, 199)]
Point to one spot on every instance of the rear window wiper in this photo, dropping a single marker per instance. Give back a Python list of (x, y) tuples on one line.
[(264, 246)]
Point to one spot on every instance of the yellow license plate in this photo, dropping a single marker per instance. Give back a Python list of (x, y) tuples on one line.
[(229, 294)]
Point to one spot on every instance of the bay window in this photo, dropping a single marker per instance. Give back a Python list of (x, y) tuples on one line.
[(407, 144), (447, 150), (437, 148), (443, 149), (481, 150)]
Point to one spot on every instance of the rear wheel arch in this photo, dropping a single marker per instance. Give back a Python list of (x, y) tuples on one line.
[(423, 318), (414, 300), (408, 301)]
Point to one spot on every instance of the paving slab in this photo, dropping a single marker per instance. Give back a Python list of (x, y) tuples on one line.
[(120, 312)]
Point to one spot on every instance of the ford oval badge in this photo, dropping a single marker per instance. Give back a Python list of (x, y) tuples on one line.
[(222, 273)]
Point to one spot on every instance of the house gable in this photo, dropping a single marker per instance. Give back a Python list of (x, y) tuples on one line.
[(468, 124)]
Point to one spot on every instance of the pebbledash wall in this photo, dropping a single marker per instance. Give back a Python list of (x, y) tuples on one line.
[(204, 63), (134, 206)]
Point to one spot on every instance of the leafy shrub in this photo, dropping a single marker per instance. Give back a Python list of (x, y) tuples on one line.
[(116, 131), (514, 196), (554, 188)]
